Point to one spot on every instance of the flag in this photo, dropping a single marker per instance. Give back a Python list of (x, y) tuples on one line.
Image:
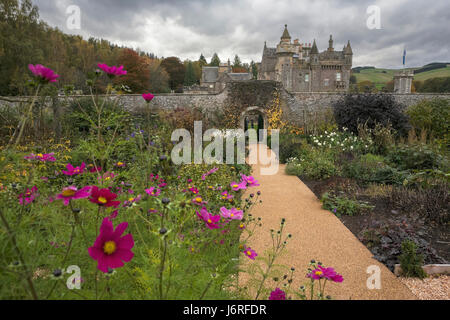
[(404, 57)]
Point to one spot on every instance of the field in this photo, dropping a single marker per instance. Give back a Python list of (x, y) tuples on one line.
[(382, 76)]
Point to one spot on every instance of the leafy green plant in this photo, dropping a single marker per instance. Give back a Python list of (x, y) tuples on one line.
[(410, 261), (432, 116), (416, 157), (344, 206)]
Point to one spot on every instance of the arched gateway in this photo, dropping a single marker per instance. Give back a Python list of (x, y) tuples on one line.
[(254, 118)]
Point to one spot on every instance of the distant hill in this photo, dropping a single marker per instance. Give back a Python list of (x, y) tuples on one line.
[(381, 76)]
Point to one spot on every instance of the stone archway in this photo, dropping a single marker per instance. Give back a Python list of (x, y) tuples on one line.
[(254, 114)]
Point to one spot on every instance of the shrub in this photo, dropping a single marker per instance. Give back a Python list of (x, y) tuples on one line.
[(432, 116), (344, 206), (410, 261), (371, 168), (415, 157), (432, 203), (371, 109), (313, 164), (290, 146)]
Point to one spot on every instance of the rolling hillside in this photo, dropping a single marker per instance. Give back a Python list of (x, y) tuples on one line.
[(381, 76)]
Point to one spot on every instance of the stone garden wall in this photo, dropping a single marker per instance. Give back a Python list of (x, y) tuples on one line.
[(298, 106)]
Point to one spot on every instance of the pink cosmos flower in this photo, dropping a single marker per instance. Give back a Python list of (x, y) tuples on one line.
[(107, 176), (41, 157), (131, 201), (209, 219), (325, 273), (226, 196), (110, 249), (29, 196), (251, 181), (94, 169), (74, 171), (239, 186), (233, 213), (72, 193), (148, 97), (210, 172), (250, 253), (277, 294), (45, 75), (154, 192), (112, 71), (121, 164), (199, 201)]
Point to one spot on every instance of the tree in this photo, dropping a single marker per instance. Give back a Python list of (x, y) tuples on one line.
[(237, 62), (215, 60), (202, 60), (159, 78), (176, 71), (138, 72), (254, 69), (189, 77)]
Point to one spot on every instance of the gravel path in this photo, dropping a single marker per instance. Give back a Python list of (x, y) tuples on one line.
[(432, 288), (317, 234)]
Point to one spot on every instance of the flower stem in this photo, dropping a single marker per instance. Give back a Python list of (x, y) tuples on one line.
[(19, 254)]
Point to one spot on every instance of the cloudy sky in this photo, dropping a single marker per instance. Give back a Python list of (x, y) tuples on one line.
[(186, 28)]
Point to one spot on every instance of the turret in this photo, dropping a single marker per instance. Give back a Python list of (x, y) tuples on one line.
[(286, 37), (314, 54), (330, 42), (348, 53)]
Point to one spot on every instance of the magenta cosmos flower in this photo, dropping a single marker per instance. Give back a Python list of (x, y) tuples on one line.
[(325, 273), (154, 192), (233, 213), (227, 196), (148, 97), (250, 181), (110, 249), (74, 171), (103, 197), (29, 196), (238, 186), (250, 253), (45, 75), (41, 157), (277, 294), (209, 219), (72, 193), (112, 71)]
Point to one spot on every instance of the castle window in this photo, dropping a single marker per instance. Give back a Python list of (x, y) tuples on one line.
[(306, 77), (338, 76), (326, 82)]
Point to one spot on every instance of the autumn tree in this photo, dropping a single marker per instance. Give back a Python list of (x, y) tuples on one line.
[(138, 72), (176, 71), (159, 78)]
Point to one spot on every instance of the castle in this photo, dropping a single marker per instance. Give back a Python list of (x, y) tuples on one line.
[(298, 66), (301, 68)]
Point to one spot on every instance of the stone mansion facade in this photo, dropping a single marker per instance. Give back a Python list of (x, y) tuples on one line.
[(300, 67)]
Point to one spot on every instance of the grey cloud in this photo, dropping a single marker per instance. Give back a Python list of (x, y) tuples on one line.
[(188, 28)]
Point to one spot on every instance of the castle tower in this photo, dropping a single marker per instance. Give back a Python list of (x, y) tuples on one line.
[(330, 42), (348, 54), (403, 81)]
